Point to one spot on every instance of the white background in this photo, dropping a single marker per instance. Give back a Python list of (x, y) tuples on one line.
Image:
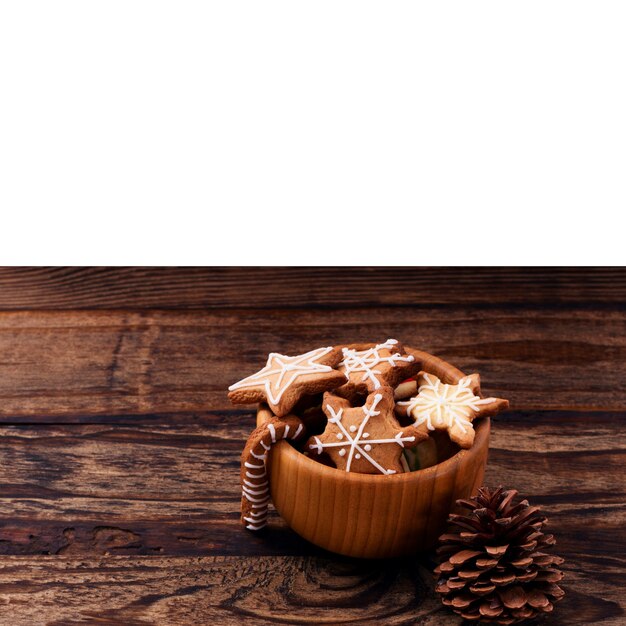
[(312, 132)]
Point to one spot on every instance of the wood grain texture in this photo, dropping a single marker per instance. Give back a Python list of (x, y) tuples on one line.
[(161, 482), (73, 365), (230, 591), (157, 591), (303, 287), (151, 490), (86, 492), (81, 491), (119, 491)]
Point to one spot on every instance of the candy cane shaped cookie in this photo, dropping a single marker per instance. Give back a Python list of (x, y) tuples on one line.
[(255, 492)]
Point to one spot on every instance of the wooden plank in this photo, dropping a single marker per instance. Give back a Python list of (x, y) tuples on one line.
[(572, 465), (174, 490), (170, 493), (80, 489), (298, 287), (153, 591), (75, 365), (126, 466)]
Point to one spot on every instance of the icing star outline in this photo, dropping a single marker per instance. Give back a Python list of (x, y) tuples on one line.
[(280, 381)]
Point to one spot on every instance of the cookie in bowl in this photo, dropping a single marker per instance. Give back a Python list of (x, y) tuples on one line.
[(367, 464)]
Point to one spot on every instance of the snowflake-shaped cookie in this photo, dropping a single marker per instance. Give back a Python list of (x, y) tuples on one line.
[(285, 379), (369, 368), (366, 439), (449, 407)]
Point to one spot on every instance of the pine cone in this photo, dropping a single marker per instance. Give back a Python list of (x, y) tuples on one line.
[(493, 565)]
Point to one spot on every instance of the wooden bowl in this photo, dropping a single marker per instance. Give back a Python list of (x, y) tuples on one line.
[(368, 515)]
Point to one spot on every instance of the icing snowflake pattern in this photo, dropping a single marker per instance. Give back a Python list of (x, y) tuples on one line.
[(355, 442), (287, 369), (366, 361), (444, 406)]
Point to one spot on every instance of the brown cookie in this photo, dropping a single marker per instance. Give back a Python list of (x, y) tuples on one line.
[(368, 367), (255, 492), (285, 379), (449, 407), (365, 439)]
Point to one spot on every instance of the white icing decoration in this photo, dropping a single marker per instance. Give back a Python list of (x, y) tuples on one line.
[(444, 406), (272, 430), (254, 492), (258, 505), (256, 500), (353, 444), (288, 368), (256, 523), (366, 360), (251, 475)]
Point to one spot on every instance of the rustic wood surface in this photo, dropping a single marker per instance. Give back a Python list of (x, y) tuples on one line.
[(119, 492)]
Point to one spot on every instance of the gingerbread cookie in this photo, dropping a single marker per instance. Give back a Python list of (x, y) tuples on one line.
[(449, 407), (365, 439), (369, 368), (254, 484), (285, 379)]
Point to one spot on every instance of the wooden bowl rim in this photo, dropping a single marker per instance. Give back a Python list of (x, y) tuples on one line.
[(454, 374)]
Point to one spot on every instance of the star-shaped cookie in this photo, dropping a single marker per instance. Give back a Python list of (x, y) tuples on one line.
[(449, 407), (365, 439), (285, 379), (369, 367)]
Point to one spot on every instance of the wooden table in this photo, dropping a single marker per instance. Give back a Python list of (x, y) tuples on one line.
[(120, 452)]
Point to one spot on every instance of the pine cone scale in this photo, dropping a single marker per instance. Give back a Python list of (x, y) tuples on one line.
[(486, 563), (524, 578), (456, 583), (497, 550), (492, 608), (513, 597), (469, 574), (493, 565), (506, 500), (482, 589), (464, 555), (537, 599), (504, 579)]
